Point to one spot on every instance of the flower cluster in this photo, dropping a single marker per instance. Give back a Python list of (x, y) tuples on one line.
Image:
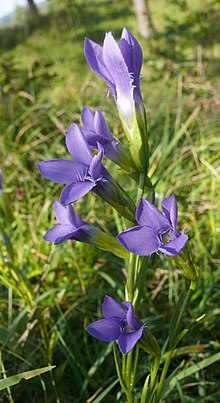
[(119, 65)]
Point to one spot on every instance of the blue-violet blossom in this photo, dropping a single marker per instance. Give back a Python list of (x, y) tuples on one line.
[(119, 323), (96, 131), (72, 227), (84, 173), (119, 64), (156, 231)]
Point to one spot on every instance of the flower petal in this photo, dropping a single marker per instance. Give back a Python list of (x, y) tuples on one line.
[(132, 55), (88, 117), (111, 308), (67, 215), (96, 166), (60, 170), (115, 63), (94, 57), (170, 209), (124, 89), (105, 329), (127, 341), (61, 213), (101, 127), (141, 240), (148, 214), (78, 146), (133, 322), (75, 191), (59, 233), (174, 247)]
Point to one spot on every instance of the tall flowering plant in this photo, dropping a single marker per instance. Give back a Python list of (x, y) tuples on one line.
[(149, 229)]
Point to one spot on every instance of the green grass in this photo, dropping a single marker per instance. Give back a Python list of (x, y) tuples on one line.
[(44, 83)]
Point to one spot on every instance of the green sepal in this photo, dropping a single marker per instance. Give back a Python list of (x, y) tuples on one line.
[(138, 139), (149, 343), (106, 242), (186, 264)]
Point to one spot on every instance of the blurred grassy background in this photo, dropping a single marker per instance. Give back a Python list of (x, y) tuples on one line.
[(44, 82)]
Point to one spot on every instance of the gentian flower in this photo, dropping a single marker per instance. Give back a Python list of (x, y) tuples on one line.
[(156, 231), (72, 227), (96, 131), (119, 323), (119, 64), (84, 173)]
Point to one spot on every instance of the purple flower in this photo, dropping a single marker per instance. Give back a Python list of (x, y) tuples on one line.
[(80, 175), (156, 231), (84, 173), (96, 131), (119, 323), (119, 64), (72, 227)]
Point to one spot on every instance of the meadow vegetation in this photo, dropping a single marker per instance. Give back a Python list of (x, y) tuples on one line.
[(50, 293)]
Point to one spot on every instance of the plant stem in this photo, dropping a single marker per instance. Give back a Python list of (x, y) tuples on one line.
[(164, 372), (175, 334), (183, 309)]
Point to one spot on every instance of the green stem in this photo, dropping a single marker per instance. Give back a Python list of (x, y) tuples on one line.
[(148, 389), (183, 309), (164, 373), (175, 334), (129, 289), (145, 389), (128, 371), (117, 365), (134, 372), (140, 283)]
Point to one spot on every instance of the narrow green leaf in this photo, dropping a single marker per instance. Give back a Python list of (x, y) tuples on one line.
[(174, 320), (15, 379), (193, 369), (105, 392)]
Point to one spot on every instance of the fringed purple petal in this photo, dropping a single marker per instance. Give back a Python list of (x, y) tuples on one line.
[(133, 322), (105, 329), (170, 209), (101, 127), (124, 89), (75, 191), (148, 214), (141, 240), (59, 233), (111, 308), (175, 247), (88, 117), (132, 55), (127, 341), (61, 170), (94, 57), (78, 146), (95, 168)]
